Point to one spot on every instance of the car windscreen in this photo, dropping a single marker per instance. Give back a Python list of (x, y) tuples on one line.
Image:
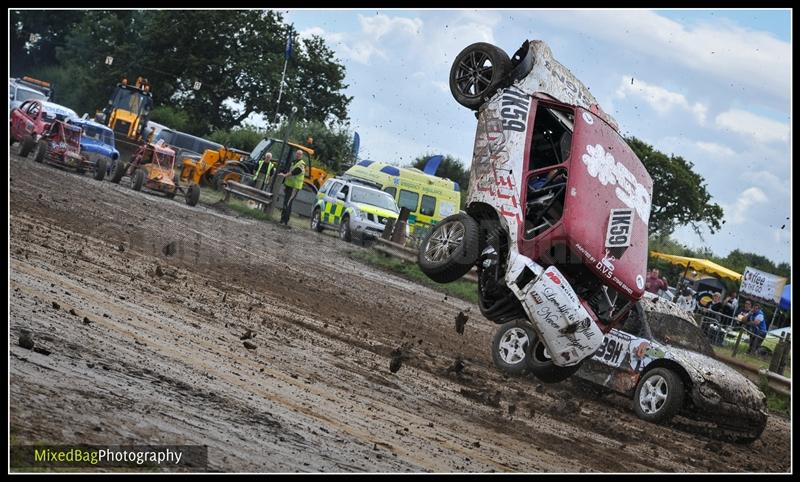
[(93, 132), (672, 330), (28, 94), (373, 198)]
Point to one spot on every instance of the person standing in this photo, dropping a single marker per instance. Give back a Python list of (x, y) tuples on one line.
[(292, 184), (270, 166), (686, 301), (654, 282), (757, 327)]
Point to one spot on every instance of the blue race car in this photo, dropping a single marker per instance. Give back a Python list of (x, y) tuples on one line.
[(97, 141)]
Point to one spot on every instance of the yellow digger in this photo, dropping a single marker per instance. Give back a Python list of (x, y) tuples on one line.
[(202, 171)]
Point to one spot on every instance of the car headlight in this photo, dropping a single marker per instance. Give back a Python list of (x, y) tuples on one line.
[(356, 213), (708, 391)]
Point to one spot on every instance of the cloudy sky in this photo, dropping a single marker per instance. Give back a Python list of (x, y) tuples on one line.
[(712, 86)]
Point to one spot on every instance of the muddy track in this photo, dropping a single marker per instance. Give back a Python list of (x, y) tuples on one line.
[(146, 306)]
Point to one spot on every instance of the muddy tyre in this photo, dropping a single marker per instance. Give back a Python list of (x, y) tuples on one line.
[(193, 195), (344, 230), (138, 180), (26, 146), (316, 221), (477, 72), (511, 346), (659, 395), (229, 174), (40, 151), (117, 171), (450, 249), (100, 169), (542, 367)]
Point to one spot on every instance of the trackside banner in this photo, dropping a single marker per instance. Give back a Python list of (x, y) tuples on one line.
[(762, 285)]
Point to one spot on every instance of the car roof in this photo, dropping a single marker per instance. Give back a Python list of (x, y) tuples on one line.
[(92, 123), (652, 303), (57, 109)]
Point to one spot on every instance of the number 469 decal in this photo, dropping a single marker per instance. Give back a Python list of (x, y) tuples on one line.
[(620, 224)]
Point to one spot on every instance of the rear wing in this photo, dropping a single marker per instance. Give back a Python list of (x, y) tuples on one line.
[(537, 71)]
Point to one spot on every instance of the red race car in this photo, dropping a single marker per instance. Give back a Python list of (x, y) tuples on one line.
[(556, 215), (60, 144)]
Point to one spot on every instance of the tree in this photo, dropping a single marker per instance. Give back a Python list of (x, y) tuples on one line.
[(451, 168), (51, 30), (236, 56), (680, 196)]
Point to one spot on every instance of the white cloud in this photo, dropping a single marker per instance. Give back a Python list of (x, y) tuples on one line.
[(760, 129), (723, 50), (768, 180), (737, 213), (659, 98), (716, 150)]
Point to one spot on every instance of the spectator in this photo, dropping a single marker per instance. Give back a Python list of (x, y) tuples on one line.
[(757, 327), (716, 303), (686, 301), (743, 311), (655, 282)]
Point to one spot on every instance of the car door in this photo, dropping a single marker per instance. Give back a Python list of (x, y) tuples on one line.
[(18, 120), (328, 203)]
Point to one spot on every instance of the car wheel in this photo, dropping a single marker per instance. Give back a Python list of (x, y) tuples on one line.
[(659, 395), (193, 195), (316, 222), (175, 180), (138, 180), (344, 230), (40, 151), (231, 174), (511, 347), (450, 249), (117, 171), (542, 367), (477, 72), (27, 145), (100, 169)]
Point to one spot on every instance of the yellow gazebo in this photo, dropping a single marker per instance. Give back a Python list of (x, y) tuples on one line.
[(698, 264)]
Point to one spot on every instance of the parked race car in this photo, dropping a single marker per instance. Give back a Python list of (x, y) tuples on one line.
[(663, 360), (31, 118), (97, 141), (60, 144), (153, 167), (556, 214)]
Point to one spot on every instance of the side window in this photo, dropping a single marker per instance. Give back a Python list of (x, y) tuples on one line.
[(408, 200), (392, 191), (345, 190), (544, 200), (552, 137), (335, 189), (633, 324), (326, 187), (428, 205)]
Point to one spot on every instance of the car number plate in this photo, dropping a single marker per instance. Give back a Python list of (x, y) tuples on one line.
[(620, 225)]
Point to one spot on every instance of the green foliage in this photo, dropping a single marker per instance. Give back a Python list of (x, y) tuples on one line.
[(236, 55), (680, 196), (240, 138), (451, 168), (171, 117)]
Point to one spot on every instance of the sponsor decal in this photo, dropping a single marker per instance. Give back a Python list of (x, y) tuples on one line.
[(587, 117), (640, 281), (602, 165)]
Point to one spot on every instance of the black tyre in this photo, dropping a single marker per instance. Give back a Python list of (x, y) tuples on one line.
[(477, 72), (542, 367), (344, 230), (100, 169), (27, 145), (138, 180), (40, 151), (229, 174), (117, 171), (511, 347), (316, 221), (659, 395), (175, 180), (450, 249), (193, 195)]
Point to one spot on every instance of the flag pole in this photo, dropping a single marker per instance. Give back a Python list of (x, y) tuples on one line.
[(286, 54)]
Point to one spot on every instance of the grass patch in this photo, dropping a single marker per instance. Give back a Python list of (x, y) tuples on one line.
[(776, 402), (461, 289), (754, 361)]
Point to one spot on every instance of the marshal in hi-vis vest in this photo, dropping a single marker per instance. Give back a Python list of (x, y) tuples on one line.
[(296, 182)]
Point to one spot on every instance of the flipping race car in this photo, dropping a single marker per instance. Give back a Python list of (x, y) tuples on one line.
[(556, 213)]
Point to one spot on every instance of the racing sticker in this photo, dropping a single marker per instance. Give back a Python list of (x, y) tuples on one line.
[(602, 165), (620, 225)]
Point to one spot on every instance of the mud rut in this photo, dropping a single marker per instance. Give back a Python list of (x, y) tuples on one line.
[(273, 347)]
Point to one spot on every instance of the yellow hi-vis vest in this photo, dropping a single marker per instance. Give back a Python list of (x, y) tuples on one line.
[(270, 167), (296, 182)]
